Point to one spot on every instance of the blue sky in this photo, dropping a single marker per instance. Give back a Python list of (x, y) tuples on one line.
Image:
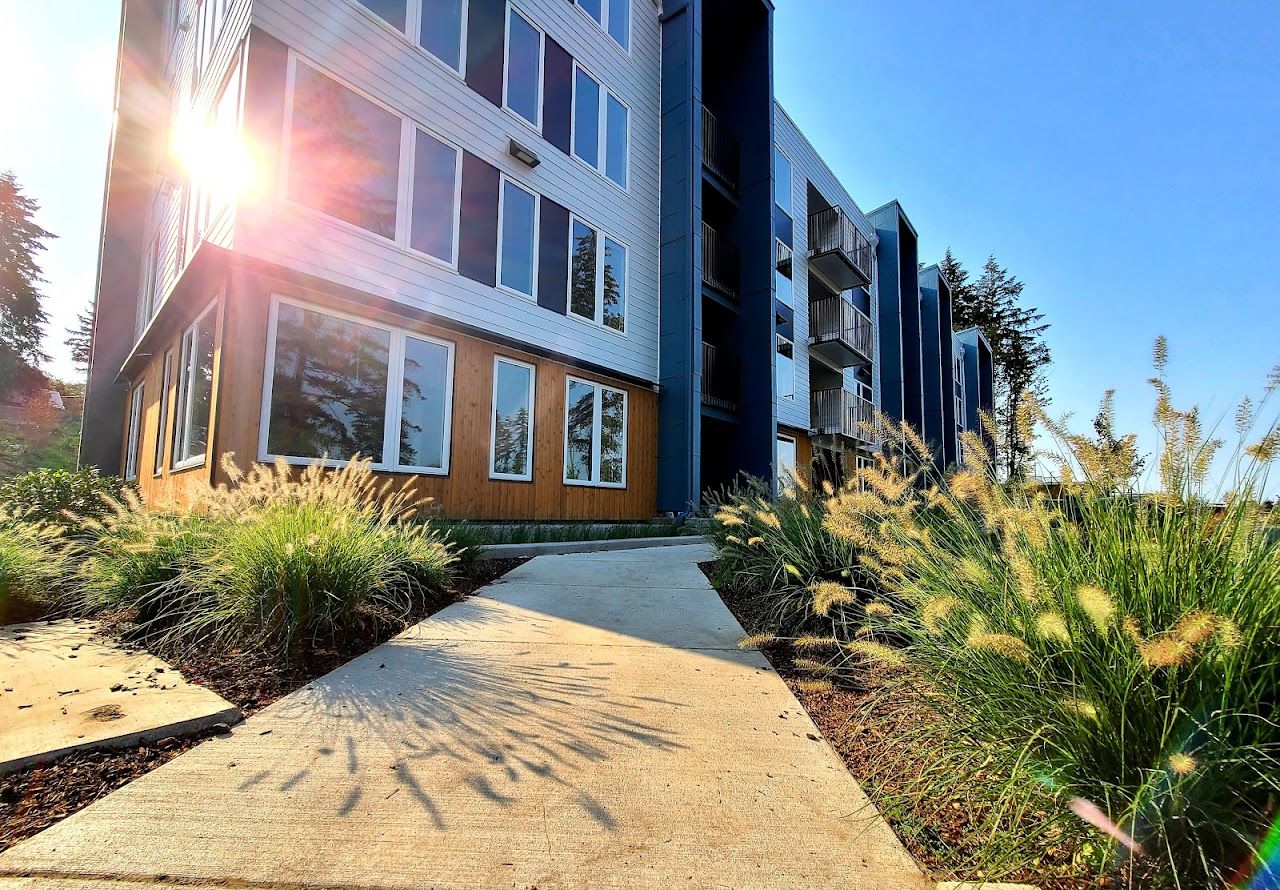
[(1123, 159)]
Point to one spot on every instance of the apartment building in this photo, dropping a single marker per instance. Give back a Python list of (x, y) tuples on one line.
[(544, 259)]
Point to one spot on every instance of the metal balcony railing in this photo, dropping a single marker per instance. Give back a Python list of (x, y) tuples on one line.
[(721, 378), (839, 250), (721, 263), (841, 412), (720, 150), (841, 332)]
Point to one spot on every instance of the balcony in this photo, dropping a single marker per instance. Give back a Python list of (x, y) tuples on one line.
[(721, 379), (721, 152), (839, 250), (840, 412), (721, 264), (840, 332)]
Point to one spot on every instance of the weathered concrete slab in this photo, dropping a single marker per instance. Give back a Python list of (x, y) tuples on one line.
[(556, 757), (63, 689), (550, 548)]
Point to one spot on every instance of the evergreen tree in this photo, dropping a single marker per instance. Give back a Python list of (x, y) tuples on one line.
[(1019, 355), (22, 318), (80, 339)]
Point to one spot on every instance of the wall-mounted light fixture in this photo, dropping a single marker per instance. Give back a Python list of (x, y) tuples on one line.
[(523, 155)]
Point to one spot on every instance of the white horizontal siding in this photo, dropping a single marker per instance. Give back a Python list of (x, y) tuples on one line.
[(808, 166), (342, 37)]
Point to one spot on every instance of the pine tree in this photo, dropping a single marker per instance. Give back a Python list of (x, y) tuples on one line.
[(80, 339), (1019, 355), (22, 318)]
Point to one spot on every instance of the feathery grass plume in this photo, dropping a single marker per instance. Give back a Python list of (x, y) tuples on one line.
[(934, 612), (878, 609), (733, 539), (757, 641), (1097, 604), (1264, 451), (827, 488), (1026, 581), (769, 518), (1196, 627), (753, 541), (1080, 707), (973, 571), (1182, 764), (1002, 644), (793, 570), (1229, 635), (876, 652), (809, 642), (828, 594), (1053, 626), (1165, 652), (804, 511), (813, 666), (34, 562), (724, 517), (814, 686), (1131, 628)]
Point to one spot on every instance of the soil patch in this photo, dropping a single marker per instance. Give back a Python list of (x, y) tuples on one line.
[(33, 799)]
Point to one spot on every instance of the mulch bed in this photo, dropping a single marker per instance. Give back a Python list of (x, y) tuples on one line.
[(867, 729), (32, 799)]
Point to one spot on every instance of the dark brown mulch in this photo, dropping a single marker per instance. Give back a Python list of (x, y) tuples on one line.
[(867, 729), (33, 799)]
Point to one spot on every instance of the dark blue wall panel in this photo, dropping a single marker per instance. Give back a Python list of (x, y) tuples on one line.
[(478, 227), (486, 47), (553, 257), (557, 93)]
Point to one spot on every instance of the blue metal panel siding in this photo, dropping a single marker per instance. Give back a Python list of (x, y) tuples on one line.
[(931, 370), (890, 328), (486, 47), (553, 257), (478, 225), (557, 93), (680, 331)]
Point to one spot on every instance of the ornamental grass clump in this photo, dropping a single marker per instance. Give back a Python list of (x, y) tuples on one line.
[(1111, 655), (278, 560), (33, 563)]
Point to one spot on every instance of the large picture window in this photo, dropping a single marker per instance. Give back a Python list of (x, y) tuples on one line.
[(782, 181), (511, 452), (522, 89), (518, 238), (595, 449), (344, 153), (437, 174), (597, 276), (135, 435), (195, 393), (601, 128), (785, 369), (162, 426), (337, 388), (440, 25)]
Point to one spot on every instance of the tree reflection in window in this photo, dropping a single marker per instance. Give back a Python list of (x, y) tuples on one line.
[(615, 270), (424, 411), (579, 461), (612, 435), (582, 279), (344, 153), (329, 389), (511, 408)]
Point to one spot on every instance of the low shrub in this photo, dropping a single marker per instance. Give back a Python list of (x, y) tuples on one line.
[(33, 559), (278, 561), (1106, 658), (58, 495)]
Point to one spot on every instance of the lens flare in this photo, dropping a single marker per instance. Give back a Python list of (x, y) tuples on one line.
[(215, 158)]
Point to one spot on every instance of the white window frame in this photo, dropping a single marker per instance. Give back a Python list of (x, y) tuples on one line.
[(135, 433), (784, 484), (166, 380), (412, 32), (597, 432), (537, 234), (404, 175), (601, 235), (493, 420), (394, 408), (186, 376), (602, 24), (512, 9), (779, 339), (602, 128)]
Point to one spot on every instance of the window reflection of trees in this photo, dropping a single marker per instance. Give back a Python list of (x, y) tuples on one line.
[(329, 388), (614, 269), (579, 458), (344, 153), (612, 435), (201, 391), (583, 280), (511, 440), (422, 420)]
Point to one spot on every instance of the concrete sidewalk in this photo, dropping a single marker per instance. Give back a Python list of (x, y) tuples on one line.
[(587, 721)]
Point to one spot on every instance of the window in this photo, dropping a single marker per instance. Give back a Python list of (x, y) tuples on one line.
[(338, 388), (781, 181), (135, 433), (437, 177), (343, 154), (517, 238), (612, 15), (195, 393), (597, 277), (522, 90), (440, 25), (511, 436), (786, 368), (787, 463), (601, 126), (595, 433), (783, 287), (162, 428)]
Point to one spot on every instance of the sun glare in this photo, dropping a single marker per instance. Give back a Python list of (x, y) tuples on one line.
[(216, 159)]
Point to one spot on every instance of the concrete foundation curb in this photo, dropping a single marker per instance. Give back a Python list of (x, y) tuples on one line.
[(553, 548)]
